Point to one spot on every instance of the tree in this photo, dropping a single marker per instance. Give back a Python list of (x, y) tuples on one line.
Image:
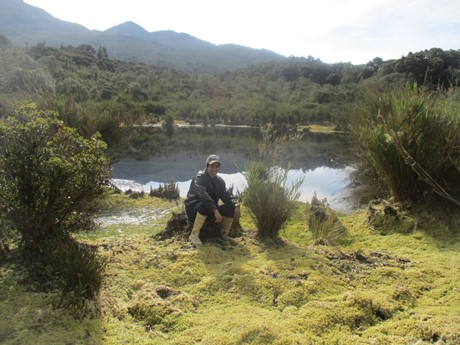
[(50, 177), (169, 125), (102, 53)]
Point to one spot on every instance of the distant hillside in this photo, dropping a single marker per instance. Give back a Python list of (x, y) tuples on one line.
[(20, 21), (25, 24)]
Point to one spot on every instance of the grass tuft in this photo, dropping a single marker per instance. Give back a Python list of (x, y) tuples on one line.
[(323, 223)]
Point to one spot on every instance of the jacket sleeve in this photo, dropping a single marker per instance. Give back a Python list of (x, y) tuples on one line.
[(226, 196)]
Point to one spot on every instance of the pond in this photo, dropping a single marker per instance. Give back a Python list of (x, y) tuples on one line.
[(317, 161)]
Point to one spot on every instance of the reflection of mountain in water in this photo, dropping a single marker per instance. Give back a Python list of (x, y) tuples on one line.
[(237, 147), (176, 167)]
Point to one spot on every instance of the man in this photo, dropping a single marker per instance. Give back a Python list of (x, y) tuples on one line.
[(202, 201)]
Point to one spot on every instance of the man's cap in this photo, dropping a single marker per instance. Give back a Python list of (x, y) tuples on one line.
[(213, 159)]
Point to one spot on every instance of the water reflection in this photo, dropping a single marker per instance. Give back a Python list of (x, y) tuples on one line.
[(323, 160)]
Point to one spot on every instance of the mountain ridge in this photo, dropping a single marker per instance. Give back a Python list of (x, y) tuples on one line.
[(28, 25)]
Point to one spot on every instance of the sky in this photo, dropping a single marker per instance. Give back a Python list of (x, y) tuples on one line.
[(355, 31)]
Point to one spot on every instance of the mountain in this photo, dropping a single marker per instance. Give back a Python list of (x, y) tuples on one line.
[(24, 24), (19, 20), (129, 29)]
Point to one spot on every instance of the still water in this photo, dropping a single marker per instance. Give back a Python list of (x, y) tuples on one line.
[(331, 182)]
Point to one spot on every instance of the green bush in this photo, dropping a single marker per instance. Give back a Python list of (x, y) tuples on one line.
[(50, 177), (412, 139), (270, 202)]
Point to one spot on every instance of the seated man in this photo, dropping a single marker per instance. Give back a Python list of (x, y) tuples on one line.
[(206, 189)]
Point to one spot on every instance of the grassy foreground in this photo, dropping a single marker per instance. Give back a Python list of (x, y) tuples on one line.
[(372, 289)]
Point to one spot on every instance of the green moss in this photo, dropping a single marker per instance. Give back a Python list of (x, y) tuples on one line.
[(396, 288)]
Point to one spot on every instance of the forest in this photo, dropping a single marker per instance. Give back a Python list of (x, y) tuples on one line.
[(93, 93)]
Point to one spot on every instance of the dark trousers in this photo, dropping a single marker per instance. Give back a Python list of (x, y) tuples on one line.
[(224, 210)]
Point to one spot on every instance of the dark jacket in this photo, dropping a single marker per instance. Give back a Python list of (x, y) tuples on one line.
[(207, 190)]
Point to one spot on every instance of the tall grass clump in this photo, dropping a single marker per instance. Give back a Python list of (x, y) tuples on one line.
[(268, 198), (411, 137), (79, 268), (323, 224)]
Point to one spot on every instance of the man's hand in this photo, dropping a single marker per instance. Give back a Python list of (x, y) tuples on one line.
[(217, 216)]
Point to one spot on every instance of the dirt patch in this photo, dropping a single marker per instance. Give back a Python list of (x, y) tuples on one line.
[(355, 264)]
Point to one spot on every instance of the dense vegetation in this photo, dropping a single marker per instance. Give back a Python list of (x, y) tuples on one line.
[(94, 93)]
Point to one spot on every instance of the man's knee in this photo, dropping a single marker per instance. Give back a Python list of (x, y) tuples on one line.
[(227, 210)]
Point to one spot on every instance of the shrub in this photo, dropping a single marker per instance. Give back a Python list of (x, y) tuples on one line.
[(270, 202), (21, 73), (50, 177), (412, 139), (168, 191), (135, 194)]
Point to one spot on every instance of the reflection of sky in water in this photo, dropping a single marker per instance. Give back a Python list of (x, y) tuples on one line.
[(326, 182)]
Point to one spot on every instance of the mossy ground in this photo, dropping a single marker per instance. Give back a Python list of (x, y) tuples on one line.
[(373, 288)]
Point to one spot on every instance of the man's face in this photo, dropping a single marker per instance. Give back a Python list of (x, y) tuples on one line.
[(213, 169)]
